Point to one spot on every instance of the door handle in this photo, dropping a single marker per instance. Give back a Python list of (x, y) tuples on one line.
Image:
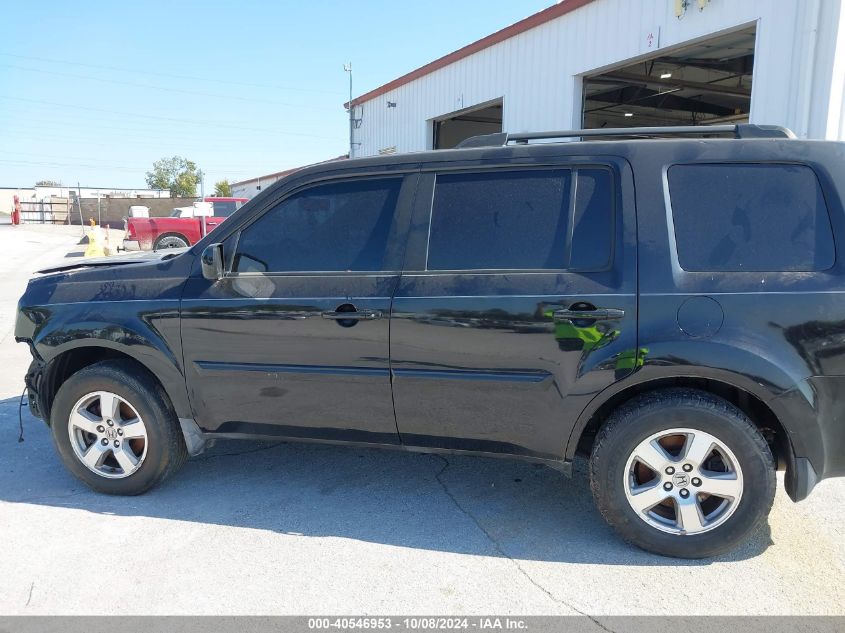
[(599, 314), (358, 315)]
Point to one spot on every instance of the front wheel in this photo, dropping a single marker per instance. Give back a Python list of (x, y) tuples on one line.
[(115, 428), (682, 473)]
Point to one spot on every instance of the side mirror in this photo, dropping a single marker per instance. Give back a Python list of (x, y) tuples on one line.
[(212, 262)]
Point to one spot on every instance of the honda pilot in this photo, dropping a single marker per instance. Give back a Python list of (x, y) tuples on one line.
[(668, 303)]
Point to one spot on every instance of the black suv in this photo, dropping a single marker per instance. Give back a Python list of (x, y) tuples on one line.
[(672, 307)]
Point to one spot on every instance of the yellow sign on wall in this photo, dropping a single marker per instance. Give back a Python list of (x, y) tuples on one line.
[(681, 6)]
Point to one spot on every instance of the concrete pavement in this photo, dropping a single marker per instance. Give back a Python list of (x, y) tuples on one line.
[(253, 528)]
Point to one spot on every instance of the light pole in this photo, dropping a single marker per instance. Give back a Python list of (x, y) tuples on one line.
[(202, 199), (348, 68)]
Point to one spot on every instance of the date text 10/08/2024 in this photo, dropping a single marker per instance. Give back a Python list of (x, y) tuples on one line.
[(481, 623)]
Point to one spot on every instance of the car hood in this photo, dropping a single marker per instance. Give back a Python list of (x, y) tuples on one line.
[(118, 260)]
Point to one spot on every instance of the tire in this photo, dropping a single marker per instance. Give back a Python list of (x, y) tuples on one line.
[(617, 474), (170, 240), (159, 454)]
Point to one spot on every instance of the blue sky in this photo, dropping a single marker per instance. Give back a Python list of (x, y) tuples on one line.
[(94, 92)]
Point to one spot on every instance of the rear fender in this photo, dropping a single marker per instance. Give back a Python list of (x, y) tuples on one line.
[(791, 398)]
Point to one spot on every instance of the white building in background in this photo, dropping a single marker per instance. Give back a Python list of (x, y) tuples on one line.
[(253, 186), (623, 63)]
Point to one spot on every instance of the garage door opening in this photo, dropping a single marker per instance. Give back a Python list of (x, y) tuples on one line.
[(705, 83), (457, 127)]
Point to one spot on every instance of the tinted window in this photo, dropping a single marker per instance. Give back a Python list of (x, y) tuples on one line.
[(333, 227), (500, 220), (592, 233), (750, 217)]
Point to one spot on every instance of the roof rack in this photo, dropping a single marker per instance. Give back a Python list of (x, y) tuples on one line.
[(744, 131)]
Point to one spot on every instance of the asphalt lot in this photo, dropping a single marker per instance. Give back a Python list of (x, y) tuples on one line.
[(252, 528)]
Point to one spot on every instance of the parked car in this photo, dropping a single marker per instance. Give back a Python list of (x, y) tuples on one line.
[(670, 308), (182, 228)]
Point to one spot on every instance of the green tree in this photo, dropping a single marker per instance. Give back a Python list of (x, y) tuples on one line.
[(177, 174), (222, 189), (48, 183)]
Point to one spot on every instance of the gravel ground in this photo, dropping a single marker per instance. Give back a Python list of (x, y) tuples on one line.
[(252, 528)]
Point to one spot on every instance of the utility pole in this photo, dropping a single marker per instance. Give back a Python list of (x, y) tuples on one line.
[(348, 68), (202, 199), (79, 206)]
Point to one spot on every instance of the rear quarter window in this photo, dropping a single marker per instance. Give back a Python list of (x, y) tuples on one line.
[(750, 217)]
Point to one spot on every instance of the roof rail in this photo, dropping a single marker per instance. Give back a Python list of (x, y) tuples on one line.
[(743, 131)]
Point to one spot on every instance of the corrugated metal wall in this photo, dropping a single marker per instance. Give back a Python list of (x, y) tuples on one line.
[(799, 75)]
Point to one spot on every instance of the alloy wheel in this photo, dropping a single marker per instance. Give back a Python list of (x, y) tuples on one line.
[(107, 434), (683, 481)]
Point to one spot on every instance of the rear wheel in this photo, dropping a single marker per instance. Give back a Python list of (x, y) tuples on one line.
[(115, 428), (682, 473), (170, 240)]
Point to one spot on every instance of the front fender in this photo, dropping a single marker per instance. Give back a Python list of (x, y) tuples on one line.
[(133, 309), (146, 331)]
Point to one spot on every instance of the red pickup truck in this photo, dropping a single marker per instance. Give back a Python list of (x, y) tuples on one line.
[(182, 228)]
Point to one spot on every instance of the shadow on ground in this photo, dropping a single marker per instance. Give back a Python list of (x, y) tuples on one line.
[(469, 505)]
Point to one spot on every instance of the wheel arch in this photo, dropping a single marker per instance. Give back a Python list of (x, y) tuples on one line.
[(69, 361), (181, 236), (758, 411)]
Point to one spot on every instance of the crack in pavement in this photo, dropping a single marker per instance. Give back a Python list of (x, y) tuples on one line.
[(29, 599), (500, 549), (43, 497), (208, 458)]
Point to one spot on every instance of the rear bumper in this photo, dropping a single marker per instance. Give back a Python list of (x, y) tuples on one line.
[(814, 419), (131, 245)]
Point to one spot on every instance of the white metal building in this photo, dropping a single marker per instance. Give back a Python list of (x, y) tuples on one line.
[(252, 187), (623, 63)]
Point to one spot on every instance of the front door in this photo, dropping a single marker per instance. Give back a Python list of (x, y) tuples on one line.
[(518, 305), (293, 342)]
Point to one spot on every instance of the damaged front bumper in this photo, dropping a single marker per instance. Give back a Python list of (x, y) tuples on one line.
[(34, 379)]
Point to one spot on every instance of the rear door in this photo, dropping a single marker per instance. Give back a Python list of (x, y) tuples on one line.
[(294, 340), (518, 304)]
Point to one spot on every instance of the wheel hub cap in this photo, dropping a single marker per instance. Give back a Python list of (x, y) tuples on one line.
[(683, 481), (107, 434)]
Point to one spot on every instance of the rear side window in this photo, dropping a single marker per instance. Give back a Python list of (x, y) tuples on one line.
[(225, 208), (592, 229), (341, 226), (750, 217), (521, 220)]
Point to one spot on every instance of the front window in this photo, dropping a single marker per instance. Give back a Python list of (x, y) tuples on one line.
[(341, 226)]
